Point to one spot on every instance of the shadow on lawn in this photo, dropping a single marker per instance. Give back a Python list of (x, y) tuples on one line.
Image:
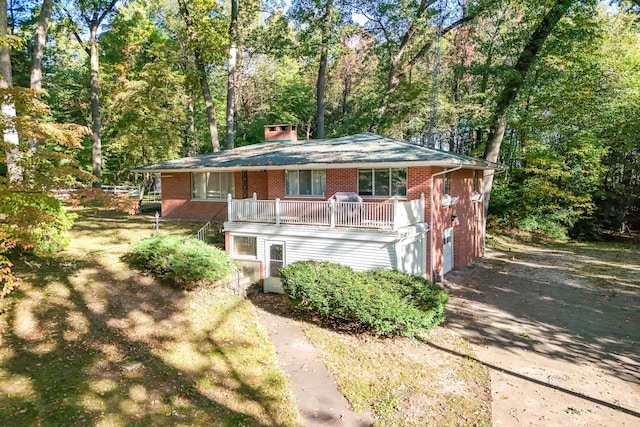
[(89, 346)]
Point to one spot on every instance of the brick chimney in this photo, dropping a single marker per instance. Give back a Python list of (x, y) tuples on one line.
[(283, 133)]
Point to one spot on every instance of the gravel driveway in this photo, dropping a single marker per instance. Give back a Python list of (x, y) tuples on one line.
[(559, 329)]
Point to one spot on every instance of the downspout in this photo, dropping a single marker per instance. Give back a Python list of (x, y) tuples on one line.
[(431, 218)]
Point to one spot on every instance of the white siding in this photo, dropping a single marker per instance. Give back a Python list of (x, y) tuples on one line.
[(412, 257), (360, 249), (358, 255)]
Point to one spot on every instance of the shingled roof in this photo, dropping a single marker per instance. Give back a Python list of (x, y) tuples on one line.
[(361, 150)]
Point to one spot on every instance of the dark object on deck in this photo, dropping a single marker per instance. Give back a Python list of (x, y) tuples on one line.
[(346, 196), (347, 214)]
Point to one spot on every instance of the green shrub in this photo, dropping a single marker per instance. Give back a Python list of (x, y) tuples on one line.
[(180, 260), (384, 302)]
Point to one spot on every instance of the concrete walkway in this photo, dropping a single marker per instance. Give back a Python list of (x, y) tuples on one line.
[(319, 401)]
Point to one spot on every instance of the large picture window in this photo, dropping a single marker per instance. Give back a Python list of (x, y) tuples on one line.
[(382, 182), (305, 183), (211, 185)]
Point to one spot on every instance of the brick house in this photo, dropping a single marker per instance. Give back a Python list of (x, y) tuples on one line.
[(363, 200)]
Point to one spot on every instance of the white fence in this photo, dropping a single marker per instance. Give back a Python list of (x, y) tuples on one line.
[(129, 190), (387, 216)]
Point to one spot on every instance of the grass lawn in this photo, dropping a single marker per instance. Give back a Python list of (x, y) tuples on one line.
[(605, 265), (408, 382), (87, 341)]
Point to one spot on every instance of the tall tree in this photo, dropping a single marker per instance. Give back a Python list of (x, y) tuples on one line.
[(146, 103), (195, 45), (321, 82), (10, 134), (408, 35), (39, 42), (92, 14), (319, 22), (514, 82), (231, 74)]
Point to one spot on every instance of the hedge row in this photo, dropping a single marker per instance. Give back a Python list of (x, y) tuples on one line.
[(384, 302), (180, 260)]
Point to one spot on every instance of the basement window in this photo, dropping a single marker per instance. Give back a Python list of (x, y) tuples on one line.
[(305, 182), (211, 185), (245, 246)]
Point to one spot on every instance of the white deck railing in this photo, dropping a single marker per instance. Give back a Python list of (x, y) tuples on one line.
[(386, 216)]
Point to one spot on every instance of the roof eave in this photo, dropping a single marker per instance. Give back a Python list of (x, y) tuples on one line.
[(351, 165)]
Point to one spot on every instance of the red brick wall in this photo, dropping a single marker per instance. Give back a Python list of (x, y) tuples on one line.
[(177, 203), (467, 227), (467, 233), (339, 180), (275, 184), (259, 184), (227, 242)]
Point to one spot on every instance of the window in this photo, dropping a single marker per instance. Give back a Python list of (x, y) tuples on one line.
[(445, 184), (382, 182), (276, 259), (305, 182), (474, 182), (245, 245), (211, 185)]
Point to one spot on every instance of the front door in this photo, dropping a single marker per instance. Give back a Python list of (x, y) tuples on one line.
[(447, 250), (274, 252)]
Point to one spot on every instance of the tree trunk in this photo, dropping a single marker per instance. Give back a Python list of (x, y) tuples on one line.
[(193, 145), (208, 102), (231, 76), (12, 151), (202, 75), (40, 40), (322, 70), (512, 86), (94, 66)]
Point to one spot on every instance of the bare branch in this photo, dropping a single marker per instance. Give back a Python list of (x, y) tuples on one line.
[(106, 11), (83, 45)]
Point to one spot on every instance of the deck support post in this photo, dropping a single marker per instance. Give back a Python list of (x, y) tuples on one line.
[(277, 211), (394, 214), (422, 207), (332, 213), (229, 208)]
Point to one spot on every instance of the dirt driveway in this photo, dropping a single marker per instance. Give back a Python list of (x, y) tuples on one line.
[(559, 329)]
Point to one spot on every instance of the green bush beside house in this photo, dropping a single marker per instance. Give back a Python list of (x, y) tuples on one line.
[(384, 302), (180, 260)]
